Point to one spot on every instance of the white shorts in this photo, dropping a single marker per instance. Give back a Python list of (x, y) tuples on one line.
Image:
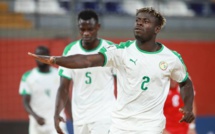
[(114, 130), (35, 128), (99, 127)]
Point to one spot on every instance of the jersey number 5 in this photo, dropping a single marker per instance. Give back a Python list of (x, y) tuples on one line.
[(89, 79), (146, 79)]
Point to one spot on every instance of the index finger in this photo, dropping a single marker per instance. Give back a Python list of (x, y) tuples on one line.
[(182, 119), (57, 126), (31, 54), (59, 131)]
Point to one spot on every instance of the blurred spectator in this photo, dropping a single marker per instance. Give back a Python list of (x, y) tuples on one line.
[(113, 6), (90, 4), (25, 6), (50, 7), (171, 7), (130, 6), (176, 8), (39, 6), (167, 7), (65, 4), (101, 6)]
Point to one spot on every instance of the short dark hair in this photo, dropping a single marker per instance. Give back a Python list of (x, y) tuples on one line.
[(43, 48), (87, 14)]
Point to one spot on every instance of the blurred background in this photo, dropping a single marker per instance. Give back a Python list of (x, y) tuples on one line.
[(25, 24)]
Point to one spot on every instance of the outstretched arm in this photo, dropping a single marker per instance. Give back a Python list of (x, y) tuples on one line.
[(187, 94), (72, 61)]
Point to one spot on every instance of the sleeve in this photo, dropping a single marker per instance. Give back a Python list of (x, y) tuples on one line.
[(179, 72), (24, 88), (63, 71), (113, 55)]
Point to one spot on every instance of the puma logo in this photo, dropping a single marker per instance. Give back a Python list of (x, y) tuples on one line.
[(133, 61)]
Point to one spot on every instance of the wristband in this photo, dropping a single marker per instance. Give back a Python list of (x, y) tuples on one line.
[(192, 126), (53, 60)]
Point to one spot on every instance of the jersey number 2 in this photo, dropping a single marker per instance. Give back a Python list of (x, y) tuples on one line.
[(89, 79), (146, 79)]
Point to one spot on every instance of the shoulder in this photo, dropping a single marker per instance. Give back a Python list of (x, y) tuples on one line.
[(54, 69), (120, 46), (69, 47), (171, 52), (27, 74), (174, 55), (106, 44), (125, 44), (177, 55)]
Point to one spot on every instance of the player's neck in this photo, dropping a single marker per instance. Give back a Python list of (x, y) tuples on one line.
[(44, 69), (92, 45), (150, 46)]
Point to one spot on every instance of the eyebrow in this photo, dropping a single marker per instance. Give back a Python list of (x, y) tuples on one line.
[(143, 18)]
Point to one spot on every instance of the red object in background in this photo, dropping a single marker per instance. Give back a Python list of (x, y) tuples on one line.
[(171, 111), (197, 55)]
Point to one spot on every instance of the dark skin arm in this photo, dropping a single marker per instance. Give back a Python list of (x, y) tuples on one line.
[(72, 61), (84, 61), (26, 101), (81, 61), (61, 102), (187, 94), (68, 110)]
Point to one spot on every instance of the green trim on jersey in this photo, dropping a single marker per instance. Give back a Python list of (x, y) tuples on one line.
[(102, 51), (180, 58), (125, 44), (68, 47), (100, 43), (61, 74), (143, 51), (25, 75), (187, 76), (24, 92)]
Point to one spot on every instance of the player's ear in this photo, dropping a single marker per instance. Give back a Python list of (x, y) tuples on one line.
[(98, 26), (157, 29)]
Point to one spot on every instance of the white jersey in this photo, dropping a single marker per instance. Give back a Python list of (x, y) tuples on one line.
[(93, 88), (42, 87), (143, 80)]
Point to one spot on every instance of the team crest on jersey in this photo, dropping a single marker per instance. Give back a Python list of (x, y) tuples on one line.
[(163, 65)]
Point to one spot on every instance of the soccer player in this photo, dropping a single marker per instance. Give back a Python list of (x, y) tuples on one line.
[(171, 111), (93, 88), (38, 88), (144, 68)]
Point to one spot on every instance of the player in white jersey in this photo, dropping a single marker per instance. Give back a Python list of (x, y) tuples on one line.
[(38, 88), (144, 69), (92, 88)]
